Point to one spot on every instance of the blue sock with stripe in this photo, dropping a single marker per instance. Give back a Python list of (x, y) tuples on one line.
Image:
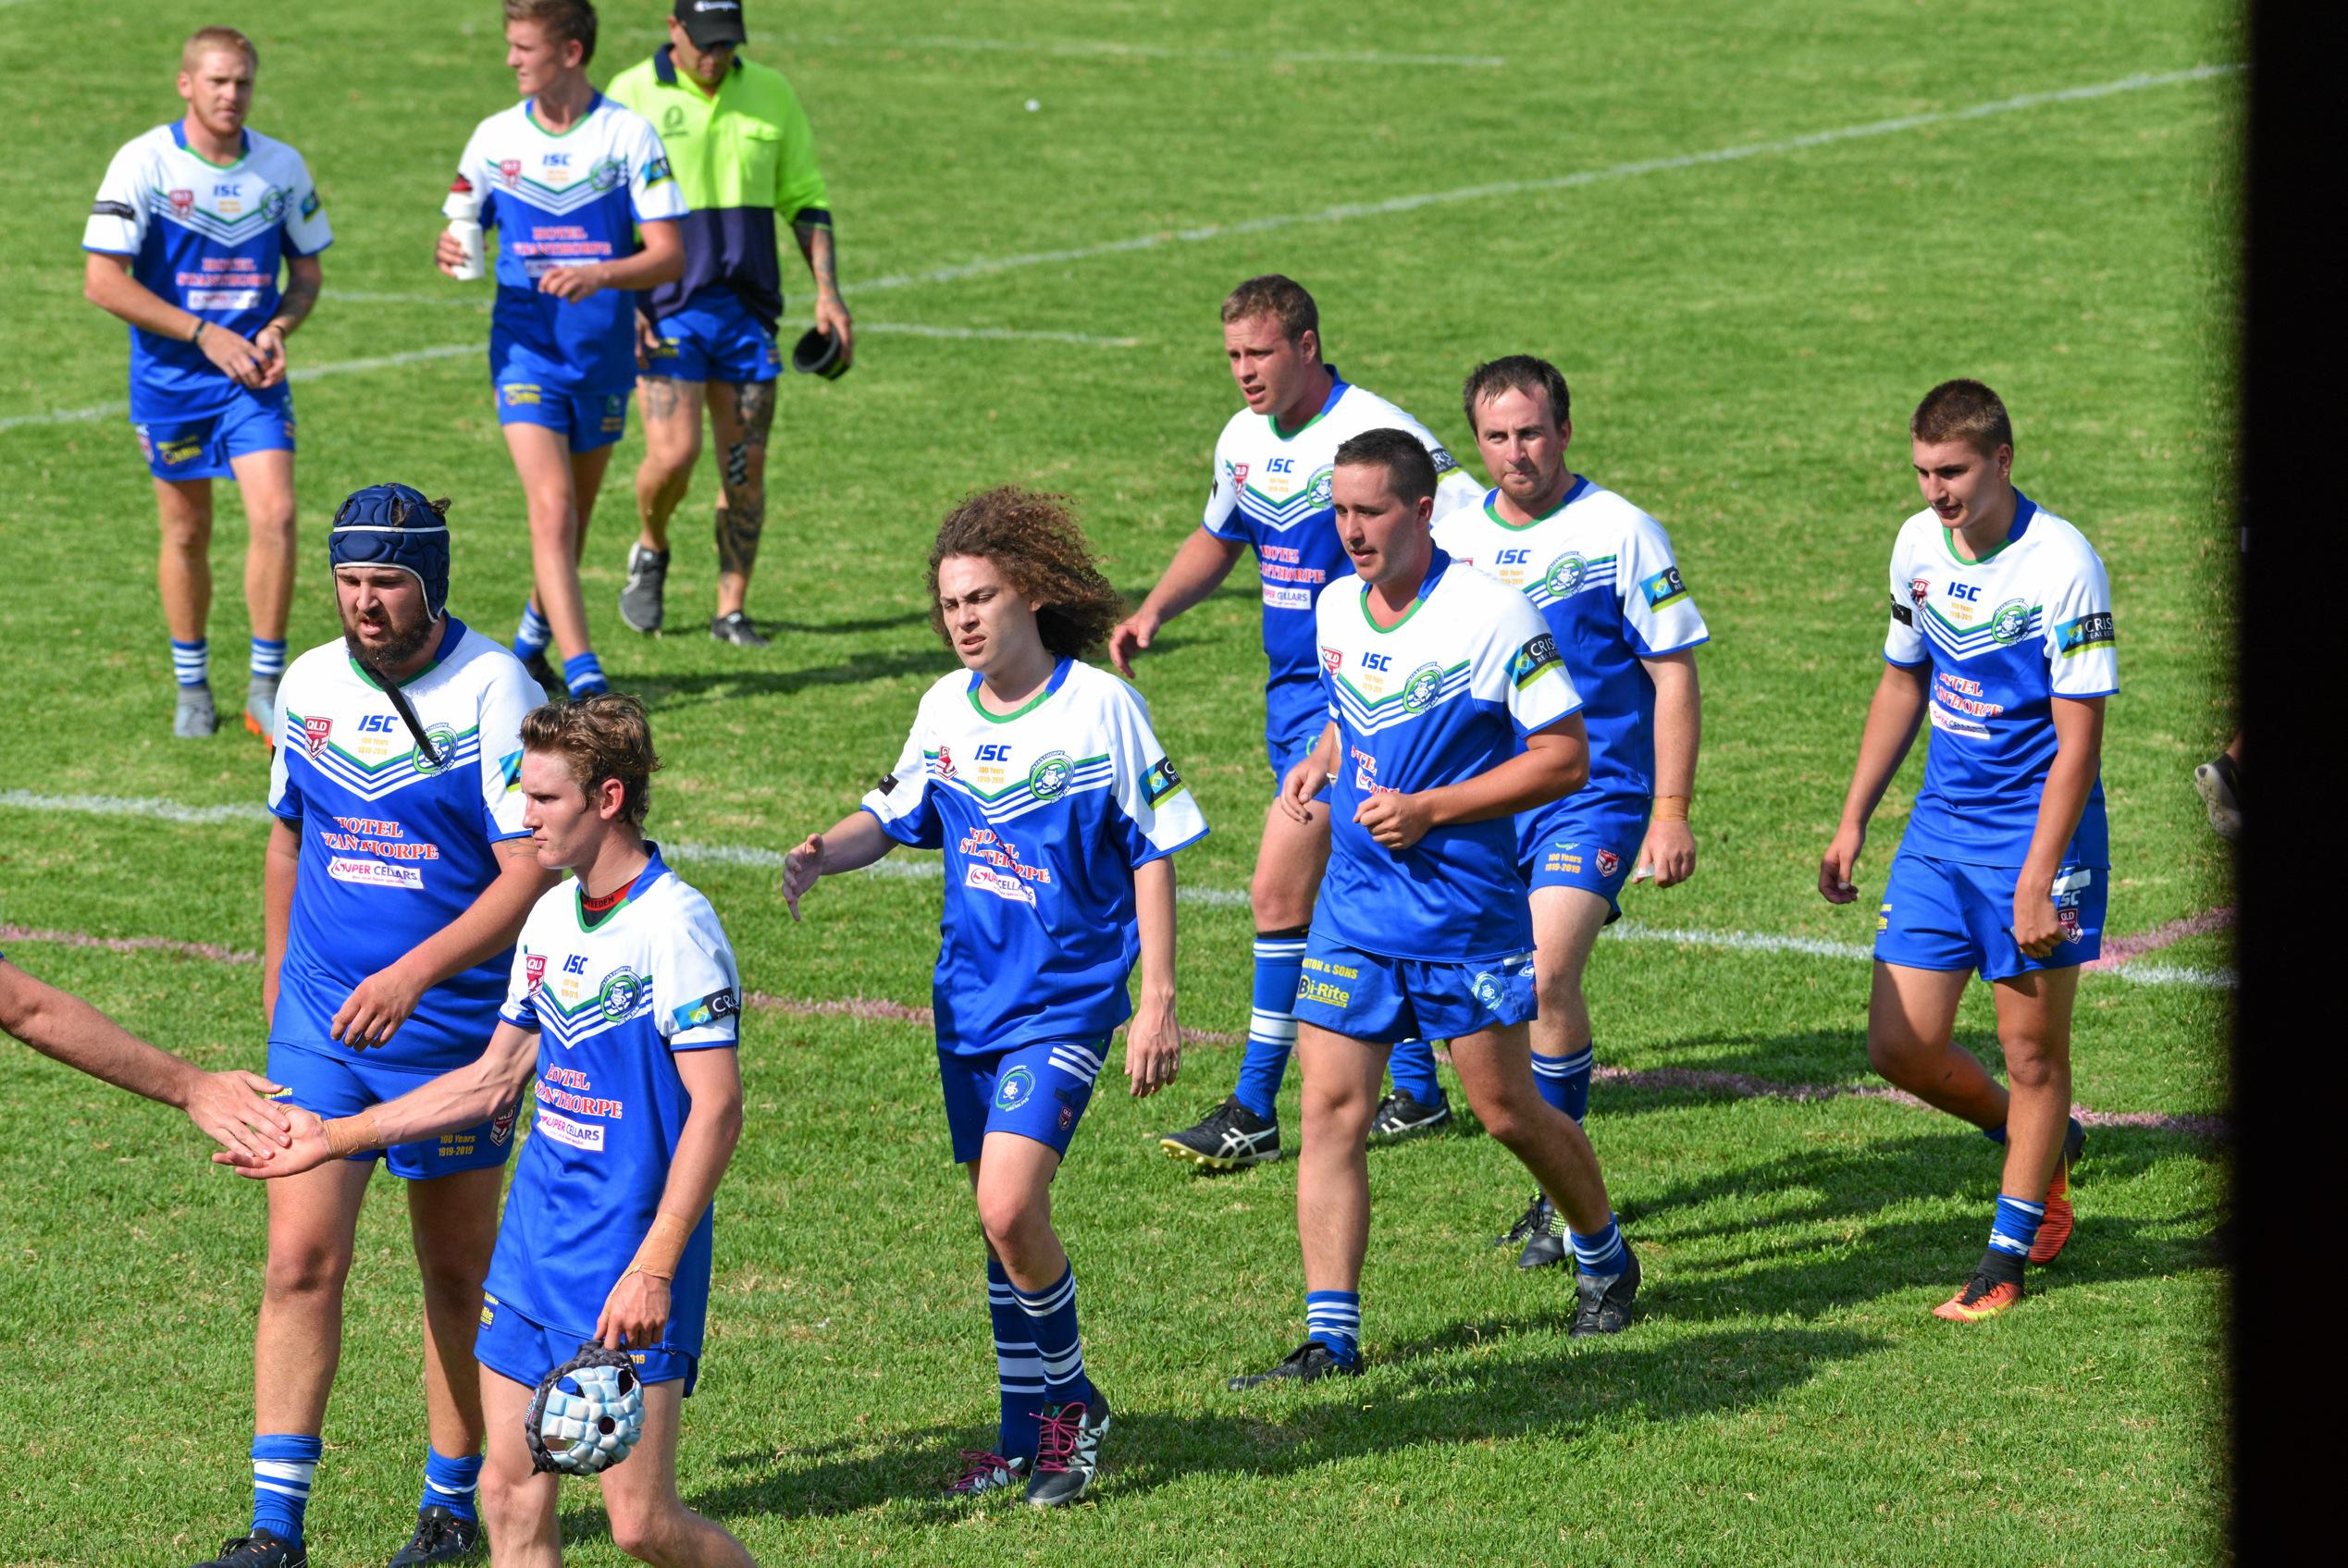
[(283, 1464), (532, 634), (1564, 1080), (1413, 1065), (1600, 1256), (449, 1483), (583, 673), (2015, 1230), (191, 661), (1051, 1315), (1019, 1368), (1271, 1023), (268, 658), (1334, 1318)]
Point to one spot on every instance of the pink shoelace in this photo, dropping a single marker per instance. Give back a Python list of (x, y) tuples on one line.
[(1062, 1426)]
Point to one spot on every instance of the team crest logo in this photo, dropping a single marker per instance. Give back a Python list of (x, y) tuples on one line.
[(1332, 659), (1014, 1089), (2067, 917), (1048, 779), (1418, 692), (605, 175), (313, 735), (501, 1125), (1918, 590), (1566, 574), (1318, 491), (183, 202), (621, 991), (1607, 861), (443, 741), (2007, 625), (1488, 990), (944, 763), (273, 205), (509, 170), (533, 970)]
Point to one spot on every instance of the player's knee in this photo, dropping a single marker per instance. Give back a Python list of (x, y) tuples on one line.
[(508, 1501), (304, 1268), (187, 532), (1012, 1223), (1336, 1110), (647, 1530), (1896, 1054), (1556, 995), (1514, 1120), (453, 1283), (1275, 902), (2031, 1065)]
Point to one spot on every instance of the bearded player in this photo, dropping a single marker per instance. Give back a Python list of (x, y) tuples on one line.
[(1271, 494)]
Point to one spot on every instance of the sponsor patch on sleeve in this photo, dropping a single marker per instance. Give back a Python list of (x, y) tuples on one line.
[(2087, 632), (1537, 655), (1902, 614), (1664, 587), (655, 171), (112, 209), (708, 1011), (310, 204), (1161, 781), (888, 782), (1444, 462), (509, 770)]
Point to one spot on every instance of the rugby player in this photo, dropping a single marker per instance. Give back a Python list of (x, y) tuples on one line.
[(1270, 493), (623, 1005), (1039, 777), (742, 151), (2001, 635), (234, 1109), (192, 223), (1602, 574), (570, 181), (1448, 713), (398, 873)]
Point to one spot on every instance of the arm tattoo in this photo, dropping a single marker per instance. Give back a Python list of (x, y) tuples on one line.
[(815, 242), (738, 525), (300, 297)]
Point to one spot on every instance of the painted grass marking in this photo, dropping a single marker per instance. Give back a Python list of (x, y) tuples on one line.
[(1346, 212), (210, 951), (2119, 949), (1212, 897), (301, 373)]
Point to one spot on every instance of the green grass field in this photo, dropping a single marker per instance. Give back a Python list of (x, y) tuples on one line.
[(1745, 334)]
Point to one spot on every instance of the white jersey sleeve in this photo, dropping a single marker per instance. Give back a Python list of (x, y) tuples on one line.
[(285, 802), (1903, 639), (696, 989), (508, 695), (474, 179), (1517, 665), (1656, 605), (306, 229), (1150, 794), (1223, 492), (653, 187), (902, 800), (2083, 656), (118, 223), (519, 1006)]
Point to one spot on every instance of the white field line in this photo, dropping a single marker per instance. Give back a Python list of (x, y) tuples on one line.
[(299, 372), (1213, 898), (1105, 48), (1346, 212)]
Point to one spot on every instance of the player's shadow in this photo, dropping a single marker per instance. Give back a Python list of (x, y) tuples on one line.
[(1475, 1387)]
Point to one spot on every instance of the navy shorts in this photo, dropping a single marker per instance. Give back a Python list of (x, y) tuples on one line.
[(1038, 1091), (1284, 755), (588, 420), (1589, 845), (1372, 997), (1948, 914), (525, 1350), (205, 448), (716, 339), (335, 1083)]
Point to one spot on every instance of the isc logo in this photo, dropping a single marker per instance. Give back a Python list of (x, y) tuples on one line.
[(383, 721), (574, 963), (994, 752), (226, 188), (1511, 558), (1378, 662), (1969, 592), (557, 160), (1280, 466)]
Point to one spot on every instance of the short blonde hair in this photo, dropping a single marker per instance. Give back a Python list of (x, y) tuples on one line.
[(204, 40)]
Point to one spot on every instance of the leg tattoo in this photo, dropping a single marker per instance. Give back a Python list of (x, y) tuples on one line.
[(740, 522)]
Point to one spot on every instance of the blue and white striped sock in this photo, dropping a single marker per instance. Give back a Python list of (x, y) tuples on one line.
[(1051, 1314), (583, 673), (1334, 1317), (1271, 1021), (1413, 1064), (532, 634), (1600, 1256), (1564, 1080), (2015, 1230), (283, 1464), (268, 658), (191, 661), (1019, 1368), (449, 1483)]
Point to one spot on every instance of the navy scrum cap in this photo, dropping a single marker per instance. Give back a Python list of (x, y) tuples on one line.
[(393, 525)]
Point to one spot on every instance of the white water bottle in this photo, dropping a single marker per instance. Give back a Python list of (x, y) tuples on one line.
[(464, 208)]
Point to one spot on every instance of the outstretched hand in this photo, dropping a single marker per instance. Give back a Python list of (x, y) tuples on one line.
[(305, 1149), (802, 868), (234, 1109)]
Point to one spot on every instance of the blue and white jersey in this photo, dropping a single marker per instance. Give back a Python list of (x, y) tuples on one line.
[(2003, 636), (1043, 815), (612, 1006), (394, 847), (1602, 574), (563, 201), (1447, 692), (207, 237), (1271, 493)]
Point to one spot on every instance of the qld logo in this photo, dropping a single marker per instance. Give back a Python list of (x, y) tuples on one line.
[(1418, 692), (183, 202), (314, 734), (533, 970), (1048, 779), (1566, 574), (621, 991), (2007, 625), (1918, 590), (1014, 1089)]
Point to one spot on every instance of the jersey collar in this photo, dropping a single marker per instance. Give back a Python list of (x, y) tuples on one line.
[(530, 112), (1336, 391), (2025, 513), (654, 870), (244, 145), (1573, 493), (448, 636), (664, 68), (1437, 564), (1059, 675)]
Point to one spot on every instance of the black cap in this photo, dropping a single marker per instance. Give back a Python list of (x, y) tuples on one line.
[(711, 23), (817, 353)]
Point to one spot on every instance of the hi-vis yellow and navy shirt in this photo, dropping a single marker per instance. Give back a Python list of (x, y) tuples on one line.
[(741, 156)]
